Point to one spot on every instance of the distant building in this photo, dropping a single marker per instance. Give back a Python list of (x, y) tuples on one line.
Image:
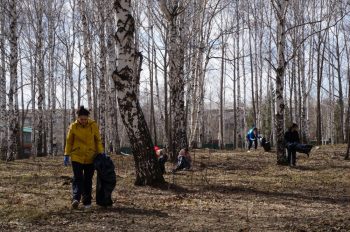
[(27, 142), (212, 128)]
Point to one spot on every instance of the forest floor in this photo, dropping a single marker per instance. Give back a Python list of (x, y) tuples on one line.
[(225, 191)]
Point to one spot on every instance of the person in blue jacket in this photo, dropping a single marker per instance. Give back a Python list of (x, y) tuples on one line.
[(252, 137)]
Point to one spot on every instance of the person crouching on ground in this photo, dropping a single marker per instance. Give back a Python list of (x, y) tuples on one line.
[(184, 160), (82, 145), (252, 137), (162, 157)]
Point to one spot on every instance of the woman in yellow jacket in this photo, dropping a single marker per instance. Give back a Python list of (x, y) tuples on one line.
[(82, 145)]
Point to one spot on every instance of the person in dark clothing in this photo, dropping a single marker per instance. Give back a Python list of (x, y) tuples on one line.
[(291, 138), (162, 157), (184, 160), (252, 137), (293, 145)]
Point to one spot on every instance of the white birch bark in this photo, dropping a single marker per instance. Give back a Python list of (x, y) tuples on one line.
[(146, 165), (3, 111), (176, 76), (87, 51), (40, 78), (12, 152), (51, 73), (113, 106), (103, 71), (340, 86), (196, 58), (280, 8), (70, 46)]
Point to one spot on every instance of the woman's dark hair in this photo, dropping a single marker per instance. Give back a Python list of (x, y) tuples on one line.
[(82, 111)]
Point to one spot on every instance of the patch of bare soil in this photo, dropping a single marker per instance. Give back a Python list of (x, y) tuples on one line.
[(225, 191)]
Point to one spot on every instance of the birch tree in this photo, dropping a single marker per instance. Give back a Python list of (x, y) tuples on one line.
[(3, 112), (103, 69), (111, 66), (40, 76), (347, 155), (13, 107), (86, 50), (125, 76), (51, 65), (337, 67), (280, 7), (176, 74)]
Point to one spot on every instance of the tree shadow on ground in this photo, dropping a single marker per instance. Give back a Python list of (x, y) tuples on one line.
[(309, 168), (174, 188), (342, 200), (132, 210), (81, 213), (321, 167), (230, 166)]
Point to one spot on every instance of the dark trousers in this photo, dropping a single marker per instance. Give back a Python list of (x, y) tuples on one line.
[(182, 163), (82, 182), (161, 160), (251, 144), (292, 155)]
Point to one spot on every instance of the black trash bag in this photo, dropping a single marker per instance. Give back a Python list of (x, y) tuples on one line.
[(106, 180), (301, 148), (265, 144)]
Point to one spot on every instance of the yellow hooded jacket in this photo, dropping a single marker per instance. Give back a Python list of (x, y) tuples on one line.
[(83, 142)]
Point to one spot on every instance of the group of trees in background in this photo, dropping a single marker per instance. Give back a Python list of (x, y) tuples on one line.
[(272, 62)]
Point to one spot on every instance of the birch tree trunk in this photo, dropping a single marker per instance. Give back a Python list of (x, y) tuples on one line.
[(221, 94), (304, 93), (176, 76), (347, 118), (237, 85), (281, 8), (52, 82), (340, 86), (204, 50), (3, 111), (103, 70), (13, 112), (347, 155), (320, 61), (87, 51), (40, 78), (70, 45), (147, 168), (113, 107), (33, 69), (194, 60), (271, 91), (252, 73), (167, 121), (152, 124)]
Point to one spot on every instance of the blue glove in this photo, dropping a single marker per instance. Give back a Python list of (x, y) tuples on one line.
[(66, 160)]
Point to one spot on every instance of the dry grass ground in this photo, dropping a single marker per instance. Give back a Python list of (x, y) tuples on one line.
[(225, 191)]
